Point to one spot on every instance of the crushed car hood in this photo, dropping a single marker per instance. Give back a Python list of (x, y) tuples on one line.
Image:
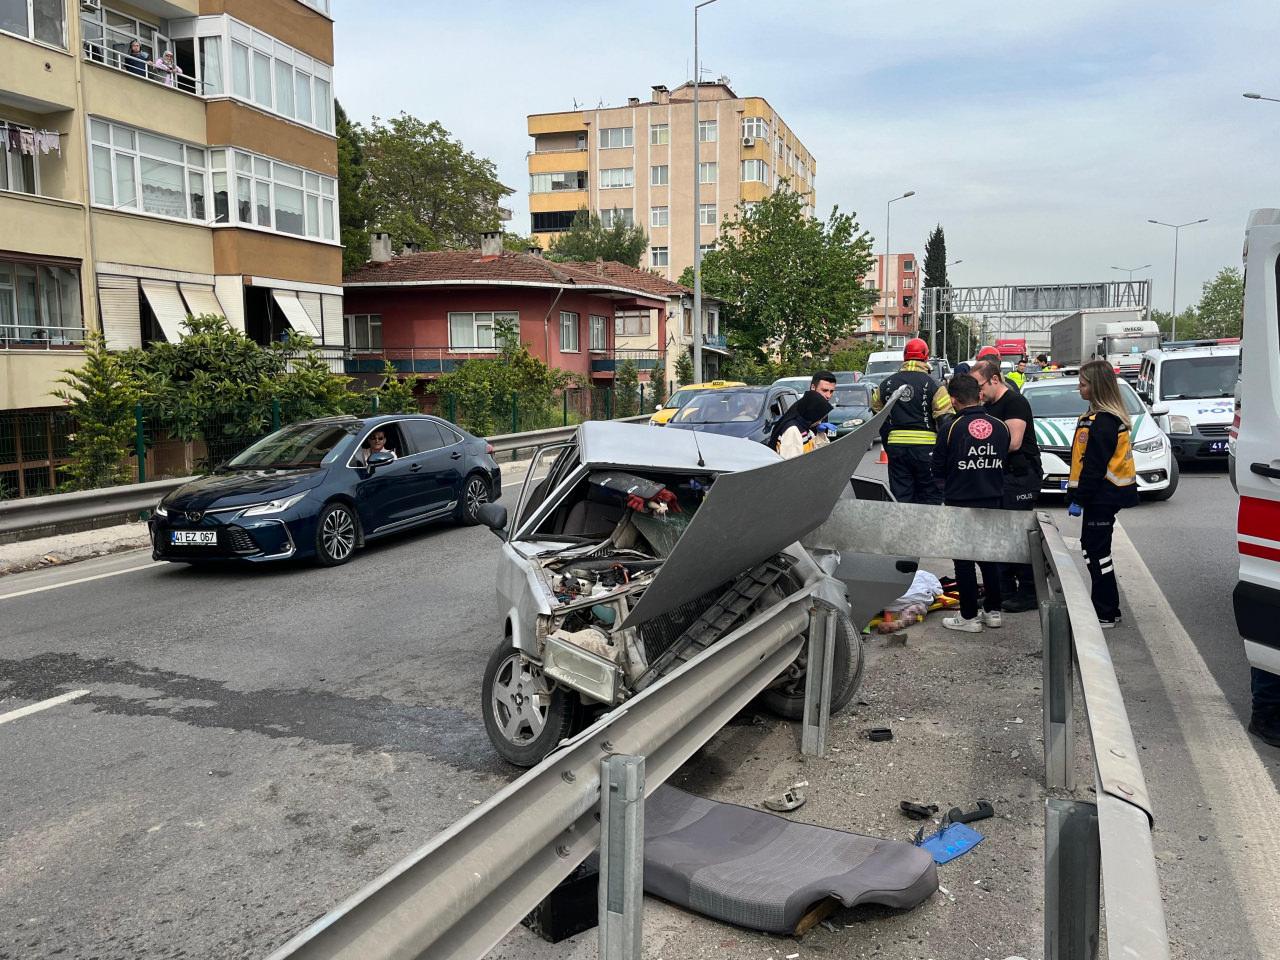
[(751, 515)]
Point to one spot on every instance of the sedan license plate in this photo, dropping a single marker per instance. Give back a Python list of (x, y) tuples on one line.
[(1218, 446), (193, 538), (1062, 484)]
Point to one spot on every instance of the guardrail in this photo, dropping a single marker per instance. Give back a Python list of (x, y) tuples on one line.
[(38, 515), (457, 896)]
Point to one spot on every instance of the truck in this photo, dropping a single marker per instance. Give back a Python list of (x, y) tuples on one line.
[(1120, 337), (1011, 349)]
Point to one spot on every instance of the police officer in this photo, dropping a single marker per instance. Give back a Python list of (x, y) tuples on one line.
[(911, 429), (969, 460)]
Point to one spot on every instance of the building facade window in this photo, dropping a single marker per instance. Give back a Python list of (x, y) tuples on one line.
[(272, 195), (40, 303), (755, 171), (364, 331), (42, 20), (553, 221), (475, 331), (631, 324), (599, 334), (749, 206), (659, 216), (707, 214), (659, 175), (755, 127), (706, 248), (659, 134), (19, 171), (568, 332), (613, 215), (908, 284), (617, 177), (908, 266), (613, 137), (659, 257), (707, 172), (707, 131), (554, 182)]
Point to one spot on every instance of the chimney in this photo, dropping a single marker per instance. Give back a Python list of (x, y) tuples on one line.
[(535, 251), (633, 101), (661, 94), (599, 266), (379, 247), (411, 247), (491, 243)]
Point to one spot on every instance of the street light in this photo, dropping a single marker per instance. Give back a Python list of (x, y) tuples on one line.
[(1258, 96), (1132, 270), (697, 196), (887, 206), (1177, 228)]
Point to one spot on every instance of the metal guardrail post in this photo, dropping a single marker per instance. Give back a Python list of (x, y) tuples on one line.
[(140, 441), (1072, 876), (621, 914), (1059, 707), (817, 682), (515, 414), (564, 400)]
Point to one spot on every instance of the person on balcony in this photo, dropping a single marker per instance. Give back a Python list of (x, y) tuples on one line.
[(135, 61), (169, 70)]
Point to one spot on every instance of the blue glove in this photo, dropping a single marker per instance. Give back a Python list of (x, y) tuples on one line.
[(827, 427), (1074, 510)]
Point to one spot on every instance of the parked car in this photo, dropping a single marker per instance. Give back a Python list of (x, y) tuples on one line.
[(747, 412), (852, 407), (663, 413), (1057, 405), (314, 489), (598, 599)]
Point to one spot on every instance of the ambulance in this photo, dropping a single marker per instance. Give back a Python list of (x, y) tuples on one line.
[(1257, 447)]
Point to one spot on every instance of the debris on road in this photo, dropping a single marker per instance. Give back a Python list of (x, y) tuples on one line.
[(983, 811), (952, 841), (918, 811), (879, 734), (792, 799)]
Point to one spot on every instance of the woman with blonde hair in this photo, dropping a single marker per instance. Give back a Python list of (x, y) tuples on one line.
[(1103, 480)]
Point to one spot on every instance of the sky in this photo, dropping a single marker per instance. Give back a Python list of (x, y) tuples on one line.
[(1041, 136)]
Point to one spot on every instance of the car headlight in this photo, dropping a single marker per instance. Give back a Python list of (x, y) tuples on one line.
[(1149, 446), (1179, 424), (853, 422), (160, 510), (275, 506)]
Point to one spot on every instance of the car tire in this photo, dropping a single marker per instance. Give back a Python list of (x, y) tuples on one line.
[(475, 493), (787, 699), (522, 729), (337, 533), (1168, 491)]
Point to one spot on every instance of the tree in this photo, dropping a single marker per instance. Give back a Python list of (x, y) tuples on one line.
[(589, 239), (424, 187), (101, 395), (352, 206), (514, 243), (684, 367), (626, 390), (1220, 312), (935, 275), (686, 277), (790, 283)]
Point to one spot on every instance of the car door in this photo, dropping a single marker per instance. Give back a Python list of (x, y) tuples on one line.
[(395, 491), (441, 461)]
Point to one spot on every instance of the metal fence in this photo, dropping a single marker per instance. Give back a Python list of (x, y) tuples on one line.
[(34, 445)]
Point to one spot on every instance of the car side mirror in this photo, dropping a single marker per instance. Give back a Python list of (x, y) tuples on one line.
[(380, 459), (493, 516), (657, 406), (1160, 410)]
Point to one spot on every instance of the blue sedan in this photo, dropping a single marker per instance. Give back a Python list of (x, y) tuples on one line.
[(322, 488)]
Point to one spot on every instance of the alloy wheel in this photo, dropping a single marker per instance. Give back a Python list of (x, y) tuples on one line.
[(520, 699), (477, 495), (338, 534)]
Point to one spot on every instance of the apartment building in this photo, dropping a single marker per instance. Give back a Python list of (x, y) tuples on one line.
[(895, 317), (637, 162), (160, 158)]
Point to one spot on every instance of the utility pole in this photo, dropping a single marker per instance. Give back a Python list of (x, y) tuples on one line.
[(697, 198)]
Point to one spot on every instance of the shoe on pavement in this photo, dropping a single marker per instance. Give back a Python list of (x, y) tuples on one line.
[(1268, 731), (1018, 604), (991, 618), (964, 626), (1109, 623)]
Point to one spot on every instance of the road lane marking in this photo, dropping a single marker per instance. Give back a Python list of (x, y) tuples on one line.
[(71, 583), (1221, 752), (42, 705)]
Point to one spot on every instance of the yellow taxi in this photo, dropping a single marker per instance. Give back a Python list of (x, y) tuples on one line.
[(678, 399)]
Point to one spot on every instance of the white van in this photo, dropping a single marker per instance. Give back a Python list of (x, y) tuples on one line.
[(1197, 384), (1257, 447), (883, 362)]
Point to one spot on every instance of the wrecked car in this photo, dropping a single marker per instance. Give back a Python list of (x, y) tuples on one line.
[(628, 554)]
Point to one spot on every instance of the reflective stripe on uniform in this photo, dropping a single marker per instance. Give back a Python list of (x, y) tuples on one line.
[(913, 438)]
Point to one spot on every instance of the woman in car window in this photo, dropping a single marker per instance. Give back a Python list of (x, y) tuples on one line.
[(377, 443)]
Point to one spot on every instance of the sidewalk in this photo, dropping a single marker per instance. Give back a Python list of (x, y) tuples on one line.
[(966, 718), (71, 547)]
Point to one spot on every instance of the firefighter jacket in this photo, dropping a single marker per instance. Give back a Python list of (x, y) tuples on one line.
[(969, 456), (923, 409), (1102, 470)]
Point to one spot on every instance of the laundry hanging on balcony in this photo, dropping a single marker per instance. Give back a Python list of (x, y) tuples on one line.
[(28, 141)]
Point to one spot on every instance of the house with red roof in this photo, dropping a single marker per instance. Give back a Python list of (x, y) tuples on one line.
[(427, 312)]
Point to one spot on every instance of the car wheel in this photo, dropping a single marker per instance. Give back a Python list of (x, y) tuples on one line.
[(1168, 491), (525, 715), (336, 535), (475, 494), (786, 696)]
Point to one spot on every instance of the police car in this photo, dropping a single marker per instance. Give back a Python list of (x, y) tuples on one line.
[(1197, 382), (1057, 405)]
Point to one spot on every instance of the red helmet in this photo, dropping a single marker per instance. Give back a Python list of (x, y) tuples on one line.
[(916, 349), (988, 352)]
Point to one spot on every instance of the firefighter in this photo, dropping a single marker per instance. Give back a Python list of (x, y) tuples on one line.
[(911, 429)]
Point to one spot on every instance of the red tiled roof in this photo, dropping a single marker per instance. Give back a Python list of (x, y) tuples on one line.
[(470, 266)]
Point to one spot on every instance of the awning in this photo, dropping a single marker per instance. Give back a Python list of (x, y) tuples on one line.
[(201, 300), (293, 311), (166, 304), (311, 304)]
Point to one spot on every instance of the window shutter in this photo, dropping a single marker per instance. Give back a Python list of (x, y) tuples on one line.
[(331, 319), (121, 316)]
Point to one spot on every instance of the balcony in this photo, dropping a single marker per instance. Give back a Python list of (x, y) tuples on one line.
[(424, 360), (607, 361), (109, 47)]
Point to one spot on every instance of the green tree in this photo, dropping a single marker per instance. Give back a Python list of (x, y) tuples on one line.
[(686, 277), (424, 187), (935, 275), (101, 395), (514, 243), (589, 239), (684, 367), (852, 357), (790, 283), (352, 206), (1220, 312), (626, 390), (397, 394), (658, 387)]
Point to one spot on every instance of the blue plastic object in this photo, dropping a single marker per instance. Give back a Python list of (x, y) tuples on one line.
[(827, 427), (1075, 510), (953, 840)]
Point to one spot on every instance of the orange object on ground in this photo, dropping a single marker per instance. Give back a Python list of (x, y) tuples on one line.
[(884, 455)]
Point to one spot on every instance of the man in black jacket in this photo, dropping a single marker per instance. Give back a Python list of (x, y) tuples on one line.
[(913, 424), (969, 459)]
